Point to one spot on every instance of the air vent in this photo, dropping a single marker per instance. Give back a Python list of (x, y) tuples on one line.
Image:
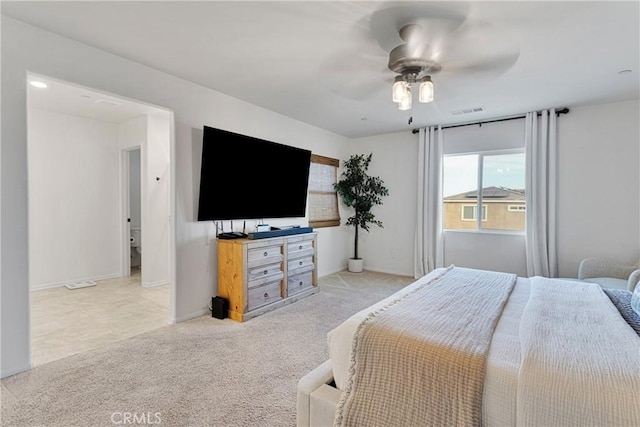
[(107, 102), (468, 111)]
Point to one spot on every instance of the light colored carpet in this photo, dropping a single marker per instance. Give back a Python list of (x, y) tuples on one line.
[(204, 372)]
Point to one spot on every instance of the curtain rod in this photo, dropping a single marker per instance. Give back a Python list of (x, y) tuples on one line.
[(558, 112)]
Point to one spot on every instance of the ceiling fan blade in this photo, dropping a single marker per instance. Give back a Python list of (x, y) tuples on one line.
[(493, 66), (355, 75), (478, 47), (350, 62), (437, 19), (361, 90), (358, 70)]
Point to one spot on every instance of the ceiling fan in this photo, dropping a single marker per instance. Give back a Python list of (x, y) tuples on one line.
[(414, 63), (425, 44)]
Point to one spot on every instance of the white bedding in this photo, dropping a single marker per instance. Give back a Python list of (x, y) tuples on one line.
[(340, 339), (503, 362), (580, 361), (503, 358), (561, 355), (423, 357)]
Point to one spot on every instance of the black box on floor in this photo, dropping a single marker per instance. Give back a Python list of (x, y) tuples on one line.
[(219, 307)]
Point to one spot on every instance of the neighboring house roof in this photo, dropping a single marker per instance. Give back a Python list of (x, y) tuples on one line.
[(490, 193)]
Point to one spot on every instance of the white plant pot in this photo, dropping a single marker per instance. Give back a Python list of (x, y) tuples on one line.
[(356, 265)]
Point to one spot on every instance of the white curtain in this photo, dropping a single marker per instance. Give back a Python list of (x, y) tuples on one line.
[(541, 194), (428, 239)]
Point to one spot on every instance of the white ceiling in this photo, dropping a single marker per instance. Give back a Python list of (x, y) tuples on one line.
[(66, 98), (325, 62)]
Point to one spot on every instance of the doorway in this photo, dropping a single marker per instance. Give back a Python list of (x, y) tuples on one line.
[(132, 195), (79, 220)]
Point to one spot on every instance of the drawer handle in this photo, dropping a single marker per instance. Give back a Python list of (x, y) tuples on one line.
[(266, 295), (300, 247), (300, 263), (300, 283), (265, 272), (265, 253)]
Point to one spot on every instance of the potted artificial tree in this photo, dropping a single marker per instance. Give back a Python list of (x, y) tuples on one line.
[(361, 192)]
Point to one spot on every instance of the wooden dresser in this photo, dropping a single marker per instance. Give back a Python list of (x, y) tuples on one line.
[(257, 276)]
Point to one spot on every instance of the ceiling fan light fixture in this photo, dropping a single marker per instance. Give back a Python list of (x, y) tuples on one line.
[(405, 102), (426, 89), (399, 89)]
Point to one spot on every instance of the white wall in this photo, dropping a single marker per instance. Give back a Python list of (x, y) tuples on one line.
[(390, 249), (155, 204), (488, 251), (599, 183), (132, 133), (26, 48), (599, 148), (152, 134), (73, 199)]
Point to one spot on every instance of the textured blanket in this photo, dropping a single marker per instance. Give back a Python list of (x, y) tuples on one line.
[(421, 359), (580, 360), (621, 298)]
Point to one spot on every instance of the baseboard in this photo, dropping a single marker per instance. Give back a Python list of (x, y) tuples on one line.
[(66, 282), (190, 316), (13, 371), (395, 273), (154, 284), (328, 273), (374, 270)]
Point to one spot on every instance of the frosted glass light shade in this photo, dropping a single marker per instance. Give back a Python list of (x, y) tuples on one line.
[(426, 91), (398, 90), (405, 103)]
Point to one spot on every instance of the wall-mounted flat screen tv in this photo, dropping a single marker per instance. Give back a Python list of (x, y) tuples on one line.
[(243, 177)]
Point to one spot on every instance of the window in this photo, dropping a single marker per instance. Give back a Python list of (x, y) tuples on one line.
[(470, 213), (323, 199), (500, 174)]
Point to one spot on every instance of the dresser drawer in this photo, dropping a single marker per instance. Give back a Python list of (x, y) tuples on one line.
[(265, 294), (300, 265), (299, 283), (300, 249), (264, 271), (264, 255), (262, 280)]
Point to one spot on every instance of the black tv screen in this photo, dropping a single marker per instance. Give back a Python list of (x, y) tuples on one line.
[(243, 177)]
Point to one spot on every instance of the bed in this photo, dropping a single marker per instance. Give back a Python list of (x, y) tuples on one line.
[(473, 347)]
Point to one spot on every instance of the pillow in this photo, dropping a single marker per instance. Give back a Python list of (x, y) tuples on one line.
[(635, 300), (624, 301)]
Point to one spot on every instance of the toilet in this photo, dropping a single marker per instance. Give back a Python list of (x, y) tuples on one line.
[(135, 239)]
